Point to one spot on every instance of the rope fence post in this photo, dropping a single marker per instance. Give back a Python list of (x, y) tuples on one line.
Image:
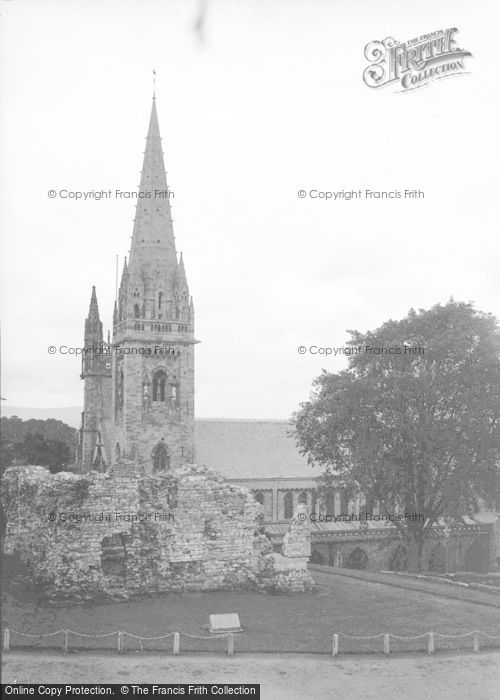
[(66, 641), (335, 645), (230, 644), (6, 639), (120, 642), (177, 639), (475, 641), (387, 644), (430, 643)]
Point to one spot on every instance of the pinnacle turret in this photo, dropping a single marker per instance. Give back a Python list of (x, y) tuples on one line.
[(181, 280), (93, 325)]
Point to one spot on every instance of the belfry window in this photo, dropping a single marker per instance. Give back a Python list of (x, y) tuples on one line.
[(137, 311), (161, 457), (160, 296), (159, 383)]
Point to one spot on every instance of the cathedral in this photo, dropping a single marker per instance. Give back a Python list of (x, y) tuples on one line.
[(139, 385), (139, 406)]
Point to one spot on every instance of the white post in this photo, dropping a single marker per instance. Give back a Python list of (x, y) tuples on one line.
[(6, 639), (65, 647), (120, 642), (335, 645), (475, 641), (430, 644), (230, 644), (177, 639), (387, 644)]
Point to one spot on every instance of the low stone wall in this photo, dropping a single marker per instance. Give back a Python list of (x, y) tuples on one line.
[(123, 533), (379, 551)]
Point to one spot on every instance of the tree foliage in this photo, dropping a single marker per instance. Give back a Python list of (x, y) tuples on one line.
[(416, 428), (49, 443)]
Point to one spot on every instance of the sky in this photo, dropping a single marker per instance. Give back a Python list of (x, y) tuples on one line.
[(267, 101)]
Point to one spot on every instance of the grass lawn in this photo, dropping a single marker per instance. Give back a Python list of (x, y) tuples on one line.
[(280, 623)]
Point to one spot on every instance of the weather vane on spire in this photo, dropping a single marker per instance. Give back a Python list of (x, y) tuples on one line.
[(154, 84)]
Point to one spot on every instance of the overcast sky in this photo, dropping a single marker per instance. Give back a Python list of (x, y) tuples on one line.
[(271, 102)]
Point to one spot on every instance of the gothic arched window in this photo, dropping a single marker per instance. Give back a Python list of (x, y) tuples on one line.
[(160, 297), (137, 311), (259, 497), (159, 382), (118, 452), (161, 457), (399, 559), (437, 559), (357, 559), (288, 505)]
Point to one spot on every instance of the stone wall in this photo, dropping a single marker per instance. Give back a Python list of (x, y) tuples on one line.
[(124, 532), (378, 551)]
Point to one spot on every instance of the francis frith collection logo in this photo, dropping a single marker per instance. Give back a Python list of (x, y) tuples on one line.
[(416, 62)]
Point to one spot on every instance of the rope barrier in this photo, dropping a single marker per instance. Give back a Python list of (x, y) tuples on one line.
[(110, 634), (195, 636), (230, 638), (409, 639), (36, 636), (351, 636), (92, 636), (149, 639)]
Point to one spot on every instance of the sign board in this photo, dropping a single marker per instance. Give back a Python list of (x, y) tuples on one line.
[(223, 623)]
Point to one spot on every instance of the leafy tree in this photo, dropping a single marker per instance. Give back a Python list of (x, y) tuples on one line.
[(47, 443), (36, 449), (419, 429)]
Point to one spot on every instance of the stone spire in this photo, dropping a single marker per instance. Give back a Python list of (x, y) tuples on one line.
[(153, 246), (93, 337), (93, 325), (181, 280)]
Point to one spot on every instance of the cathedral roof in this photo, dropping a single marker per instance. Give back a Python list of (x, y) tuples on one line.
[(250, 449)]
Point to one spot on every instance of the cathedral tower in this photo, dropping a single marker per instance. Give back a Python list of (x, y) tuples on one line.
[(153, 332), (96, 373)]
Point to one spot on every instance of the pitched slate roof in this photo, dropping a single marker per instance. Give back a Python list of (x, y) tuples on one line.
[(249, 449)]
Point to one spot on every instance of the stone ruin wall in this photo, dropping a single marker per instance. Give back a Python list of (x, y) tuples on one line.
[(184, 529)]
